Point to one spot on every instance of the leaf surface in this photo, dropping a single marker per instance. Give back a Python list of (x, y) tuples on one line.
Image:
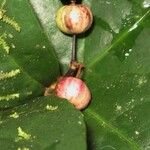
[(118, 75), (44, 123), (115, 52), (28, 62)]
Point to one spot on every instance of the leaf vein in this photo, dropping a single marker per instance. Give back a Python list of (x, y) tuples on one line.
[(100, 56), (113, 129)]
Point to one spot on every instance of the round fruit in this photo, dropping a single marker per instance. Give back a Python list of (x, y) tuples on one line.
[(74, 18), (74, 90)]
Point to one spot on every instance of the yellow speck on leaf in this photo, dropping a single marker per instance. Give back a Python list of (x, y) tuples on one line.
[(9, 97), (137, 133), (22, 134), (12, 73), (11, 22), (4, 45), (6, 19), (14, 115), (10, 35), (50, 107), (24, 148)]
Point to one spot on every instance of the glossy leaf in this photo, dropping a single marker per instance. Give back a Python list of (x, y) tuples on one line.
[(28, 63), (116, 56), (118, 76), (27, 60), (116, 53), (44, 124)]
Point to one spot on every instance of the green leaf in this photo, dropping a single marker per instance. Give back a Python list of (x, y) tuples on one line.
[(116, 54), (118, 76), (28, 63), (46, 11), (27, 60), (44, 124)]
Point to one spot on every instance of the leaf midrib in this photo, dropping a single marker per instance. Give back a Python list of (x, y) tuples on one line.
[(105, 51), (92, 114)]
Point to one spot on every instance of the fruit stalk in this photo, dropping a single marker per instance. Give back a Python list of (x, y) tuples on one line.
[(74, 56), (73, 19)]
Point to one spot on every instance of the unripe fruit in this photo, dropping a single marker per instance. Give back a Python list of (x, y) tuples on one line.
[(74, 18), (74, 90)]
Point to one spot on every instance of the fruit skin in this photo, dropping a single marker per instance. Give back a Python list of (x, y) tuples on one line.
[(74, 18), (74, 90)]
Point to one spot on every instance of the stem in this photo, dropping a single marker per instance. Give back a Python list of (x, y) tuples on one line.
[(75, 69), (73, 57)]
